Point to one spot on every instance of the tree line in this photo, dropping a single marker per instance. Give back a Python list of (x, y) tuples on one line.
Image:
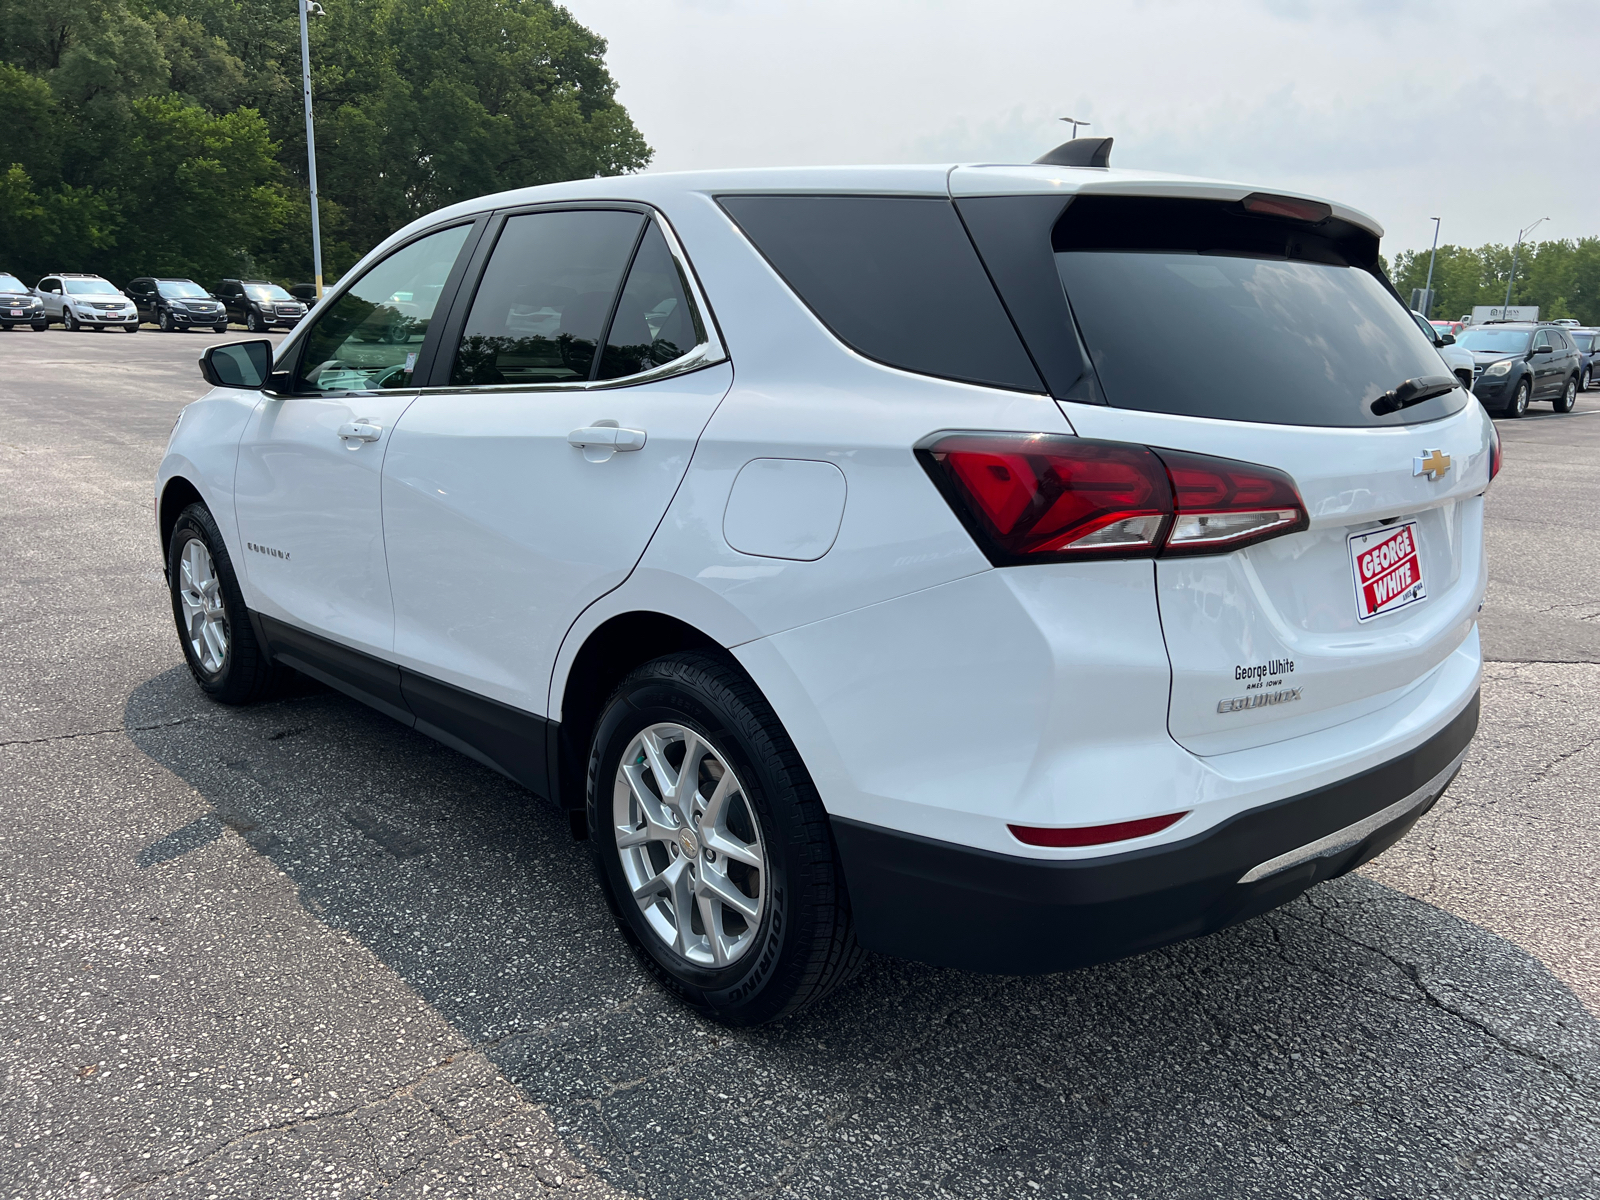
[(1561, 277), (167, 137)]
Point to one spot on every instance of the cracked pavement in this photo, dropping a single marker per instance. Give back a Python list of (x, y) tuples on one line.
[(296, 950)]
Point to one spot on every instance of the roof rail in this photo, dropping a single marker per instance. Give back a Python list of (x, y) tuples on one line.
[(1079, 152)]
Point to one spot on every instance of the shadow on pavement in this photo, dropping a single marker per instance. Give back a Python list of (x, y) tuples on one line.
[(1357, 1043)]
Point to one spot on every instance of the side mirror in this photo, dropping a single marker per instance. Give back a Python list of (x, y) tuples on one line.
[(1543, 349), (237, 364), (1448, 339)]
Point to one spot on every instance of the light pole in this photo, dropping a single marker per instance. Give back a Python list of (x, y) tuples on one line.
[(309, 7), (1512, 278), (1427, 288), (1074, 122)]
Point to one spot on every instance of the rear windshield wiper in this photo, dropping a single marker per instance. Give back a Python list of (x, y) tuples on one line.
[(1413, 391)]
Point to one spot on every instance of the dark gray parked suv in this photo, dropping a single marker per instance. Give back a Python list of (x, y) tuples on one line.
[(1516, 363), (19, 306), (177, 304), (258, 305)]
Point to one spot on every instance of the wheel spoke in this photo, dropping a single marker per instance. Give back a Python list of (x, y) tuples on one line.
[(712, 815), (728, 845), (666, 778), (664, 884), (683, 905), (658, 825), (723, 889), (711, 918)]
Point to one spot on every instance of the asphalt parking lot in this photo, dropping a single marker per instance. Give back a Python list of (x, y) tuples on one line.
[(297, 950)]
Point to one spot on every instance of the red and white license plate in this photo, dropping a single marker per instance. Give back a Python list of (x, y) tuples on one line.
[(1388, 569), (17, 312)]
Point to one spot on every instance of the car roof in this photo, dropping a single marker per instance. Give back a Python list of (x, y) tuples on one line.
[(936, 179)]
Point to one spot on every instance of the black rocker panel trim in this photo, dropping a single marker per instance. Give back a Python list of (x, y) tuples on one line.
[(956, 906), (505, 739)]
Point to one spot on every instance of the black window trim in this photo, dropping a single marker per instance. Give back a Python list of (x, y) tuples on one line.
[(704, 354)]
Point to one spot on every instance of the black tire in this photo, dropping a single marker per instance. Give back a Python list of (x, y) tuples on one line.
[(1569, 396), (70, 323), (134, 328), (41, 326), (166, 322), (253, 324), (219, 328), (7, 328), (804, 944), (1518, 404), (245, 673)]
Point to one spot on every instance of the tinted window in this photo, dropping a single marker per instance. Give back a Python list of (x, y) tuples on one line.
[(895, 278), (654, 322), (181, 289), (1542, 339), (370, 336), (1585, 341), (1257, 319), (542, 306)]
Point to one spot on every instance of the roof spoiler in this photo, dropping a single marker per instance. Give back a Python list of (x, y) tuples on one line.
[(1079, 152)]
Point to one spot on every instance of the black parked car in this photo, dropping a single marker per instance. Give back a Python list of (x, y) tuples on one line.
[(177, 304), (304, 291), (1588, 341), (1515, 363), (19, 306), (259, 305)]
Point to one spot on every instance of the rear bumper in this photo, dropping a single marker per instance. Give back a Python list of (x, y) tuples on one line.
[(954, 906)]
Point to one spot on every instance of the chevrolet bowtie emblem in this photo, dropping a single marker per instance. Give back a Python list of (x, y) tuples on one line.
[(1435, 464)]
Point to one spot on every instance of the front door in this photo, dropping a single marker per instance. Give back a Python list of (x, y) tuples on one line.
[(1546, 366), (503, 518), (309, 478)]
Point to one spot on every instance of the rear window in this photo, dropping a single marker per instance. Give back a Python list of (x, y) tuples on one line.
[(1201, 309), (893, 277)]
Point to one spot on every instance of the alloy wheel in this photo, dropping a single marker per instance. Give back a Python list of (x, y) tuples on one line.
[(1519, 402), (205, 620), (690, 844), (1570, 396), (166, 322)]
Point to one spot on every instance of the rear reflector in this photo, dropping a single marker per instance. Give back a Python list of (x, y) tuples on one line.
[(1094, 835), (1264, 204), (1494, 452), (1029, 498)]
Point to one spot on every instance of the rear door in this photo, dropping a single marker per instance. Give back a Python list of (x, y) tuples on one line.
[(1278, 340), (529, 481)]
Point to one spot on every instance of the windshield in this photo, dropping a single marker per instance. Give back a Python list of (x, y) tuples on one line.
[(89, 287), (266, 291), (10, 283), (181, 289), (1585, 340), (1495, 341), (1244, 339)]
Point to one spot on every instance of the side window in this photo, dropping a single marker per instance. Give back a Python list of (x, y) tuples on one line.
[(369, 337), (655, 322), (541, 307), (895, 278), (1541, 339), (50, 285)]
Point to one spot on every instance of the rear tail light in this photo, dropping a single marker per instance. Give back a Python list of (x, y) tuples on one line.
[(1028, 498), (1264, 204), (1094, 835), (1494, 452)]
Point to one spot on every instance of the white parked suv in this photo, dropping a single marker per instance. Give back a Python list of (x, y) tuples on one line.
[(86, 302), (841, 552)]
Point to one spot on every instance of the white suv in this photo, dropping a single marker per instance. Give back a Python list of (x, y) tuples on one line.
[(86, 302), (843, 552)]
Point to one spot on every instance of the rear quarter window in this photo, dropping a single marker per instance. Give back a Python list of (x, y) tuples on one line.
[(893, 277)]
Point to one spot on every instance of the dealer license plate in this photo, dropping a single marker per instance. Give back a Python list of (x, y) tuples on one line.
[(1388, 569), (17, 312)]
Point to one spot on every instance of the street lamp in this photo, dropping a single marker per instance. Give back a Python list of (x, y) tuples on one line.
[(311, 8), (1074, 122), (1427, 289), (1512, 278)]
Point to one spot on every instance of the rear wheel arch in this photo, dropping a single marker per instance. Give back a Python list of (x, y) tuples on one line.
[(609, 653)]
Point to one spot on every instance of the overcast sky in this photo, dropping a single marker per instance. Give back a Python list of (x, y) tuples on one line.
[(1484, 114)]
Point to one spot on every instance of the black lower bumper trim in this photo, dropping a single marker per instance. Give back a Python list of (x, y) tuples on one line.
[(954, 906)]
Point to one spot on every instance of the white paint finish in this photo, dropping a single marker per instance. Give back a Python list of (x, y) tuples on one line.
[(304, 490), (785, 508), (1034, 696), (1293, 597), (204, 449), (500, 531)]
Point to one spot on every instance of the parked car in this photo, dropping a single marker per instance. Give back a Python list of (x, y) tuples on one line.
[(1457, 359), (785, 529), (177, 305), (259, 305), (1451, 327), (19, 306), (85, 302), (304, 292), (1518, 363), (1588, 343)]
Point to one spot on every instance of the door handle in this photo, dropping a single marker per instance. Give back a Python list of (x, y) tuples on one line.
[(603, 439), (360, 431)]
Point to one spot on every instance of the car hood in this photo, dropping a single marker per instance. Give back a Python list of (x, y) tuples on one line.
[(9, 296), (1483, 357)]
